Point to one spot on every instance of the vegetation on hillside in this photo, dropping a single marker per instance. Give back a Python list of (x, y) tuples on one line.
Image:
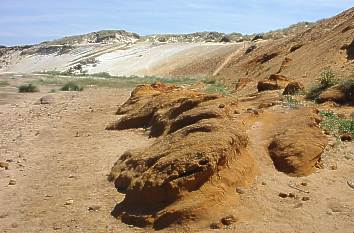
[(336, 125), (327, 79)]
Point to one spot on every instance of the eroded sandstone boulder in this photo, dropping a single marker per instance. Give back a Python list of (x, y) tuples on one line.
[(293, 88), (200, 154), (298, 146), (199, 147)]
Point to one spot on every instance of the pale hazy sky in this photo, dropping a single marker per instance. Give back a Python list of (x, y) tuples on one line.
[(33, 21)]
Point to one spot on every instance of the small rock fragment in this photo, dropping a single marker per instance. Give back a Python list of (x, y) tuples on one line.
[(291, 195), (4, 165), (12, 182), (350, 184), (305, 198), (221, 105), (346, 137), (48, 99), (4, 215), (303, 183), (240, 190), (283, 195), (228, 220), (251, 110), (14, 225), (347, 156), (264, 183), (216, 225), (335, 207), (334, 167), (94, 208), (56, 227), (69, 202)]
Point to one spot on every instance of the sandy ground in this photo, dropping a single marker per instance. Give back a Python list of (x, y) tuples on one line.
[(59, 155)]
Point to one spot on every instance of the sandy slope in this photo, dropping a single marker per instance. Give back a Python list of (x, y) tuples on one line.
[(142, 58)]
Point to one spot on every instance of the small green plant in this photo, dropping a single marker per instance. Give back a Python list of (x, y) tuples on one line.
[(336, 125), (209, 81), (71, 86), (217, 88), (28, 88), (53, 90), (314, 92), (3, 83), (327, 79), (288, 100)]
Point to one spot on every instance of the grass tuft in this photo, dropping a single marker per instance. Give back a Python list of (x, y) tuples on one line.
[(71, 86), (3, 83), (217, 88), (291, 102), (326, 80), (28, 88)]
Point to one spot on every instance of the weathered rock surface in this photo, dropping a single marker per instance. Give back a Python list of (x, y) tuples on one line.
[(293, 88), (191, 171), (274, 82), (336, 94), (197, 143), (297, 149)]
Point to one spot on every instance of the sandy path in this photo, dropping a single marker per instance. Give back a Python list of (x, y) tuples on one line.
[(61, 152), (227, 60)]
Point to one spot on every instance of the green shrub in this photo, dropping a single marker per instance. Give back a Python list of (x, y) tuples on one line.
[(102, 75), (328, 78), (289, 101), (314, 92), (71, 86), (336, 125), (347, 87), (27, 88)]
